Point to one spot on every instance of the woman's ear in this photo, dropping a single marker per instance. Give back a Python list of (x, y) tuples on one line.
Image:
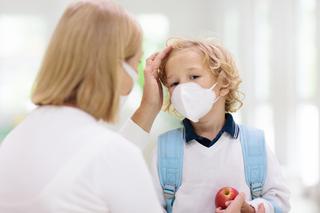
[(223, 83)]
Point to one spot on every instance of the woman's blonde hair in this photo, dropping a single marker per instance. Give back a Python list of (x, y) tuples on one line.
[(135, 40), (84, 58), (218, 60)]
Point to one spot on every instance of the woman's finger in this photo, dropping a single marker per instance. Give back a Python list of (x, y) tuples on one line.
[(149, 63), (159, 57), (154, 61), (152, 57)]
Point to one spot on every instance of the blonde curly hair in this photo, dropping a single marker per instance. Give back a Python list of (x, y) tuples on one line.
[(218, 60)]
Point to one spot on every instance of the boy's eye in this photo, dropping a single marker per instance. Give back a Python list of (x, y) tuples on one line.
[(193, 77), (174, 84)]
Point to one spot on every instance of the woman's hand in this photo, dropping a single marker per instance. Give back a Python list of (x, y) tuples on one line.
[(152, 98), (152, 91)]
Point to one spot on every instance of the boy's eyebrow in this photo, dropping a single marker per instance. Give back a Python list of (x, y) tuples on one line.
[(194, 68), (188, 69), (169, 77)]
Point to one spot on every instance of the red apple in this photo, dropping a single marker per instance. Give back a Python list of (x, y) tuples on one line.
[(225, 194)]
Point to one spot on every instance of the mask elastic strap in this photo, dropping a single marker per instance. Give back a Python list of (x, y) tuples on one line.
[(131, 72), (214, 86), (218, 97)]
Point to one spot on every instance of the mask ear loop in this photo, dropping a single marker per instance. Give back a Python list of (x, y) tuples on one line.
[(217, 98), (131, 72), (214, 86)]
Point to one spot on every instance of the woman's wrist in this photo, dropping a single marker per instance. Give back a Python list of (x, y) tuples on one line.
[(145, 116)]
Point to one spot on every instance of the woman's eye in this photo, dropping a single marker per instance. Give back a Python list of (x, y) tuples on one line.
[(193, 77)]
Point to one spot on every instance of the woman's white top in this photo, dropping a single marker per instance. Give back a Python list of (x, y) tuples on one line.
[(60, 159)]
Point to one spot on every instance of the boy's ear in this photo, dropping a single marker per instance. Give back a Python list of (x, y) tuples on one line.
[(224, 84), (224, 92)]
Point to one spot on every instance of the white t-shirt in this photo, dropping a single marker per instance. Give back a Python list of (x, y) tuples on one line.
[(60, 159), (206, 170)]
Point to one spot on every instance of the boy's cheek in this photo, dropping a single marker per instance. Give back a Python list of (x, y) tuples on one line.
[(170, 92)]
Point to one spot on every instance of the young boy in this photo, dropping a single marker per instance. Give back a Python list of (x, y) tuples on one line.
[(203, 83)]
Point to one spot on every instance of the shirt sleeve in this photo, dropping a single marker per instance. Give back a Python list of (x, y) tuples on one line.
[(275, 190), (134, 133), (124, 183)]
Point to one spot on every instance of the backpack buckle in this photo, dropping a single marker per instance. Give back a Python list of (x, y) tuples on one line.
[(256, 190), (169, 191)]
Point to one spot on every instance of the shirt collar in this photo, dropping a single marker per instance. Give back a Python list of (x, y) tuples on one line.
[(230, 127)]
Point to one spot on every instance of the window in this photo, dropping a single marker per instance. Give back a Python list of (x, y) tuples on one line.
[(308, 140), (307, 110), (307, 73), (22, 42)]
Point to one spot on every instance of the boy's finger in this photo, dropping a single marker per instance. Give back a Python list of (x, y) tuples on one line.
[(228, 202), (219, 210), (261, 208), (237, 202), (241, 196)]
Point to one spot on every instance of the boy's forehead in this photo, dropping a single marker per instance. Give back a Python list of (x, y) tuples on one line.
[(185, 58), (189, 51)]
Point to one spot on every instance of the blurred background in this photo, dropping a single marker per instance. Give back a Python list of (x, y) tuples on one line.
[(276, 44)]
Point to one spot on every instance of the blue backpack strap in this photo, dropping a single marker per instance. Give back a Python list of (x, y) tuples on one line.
[(170, 163), (255, 161)]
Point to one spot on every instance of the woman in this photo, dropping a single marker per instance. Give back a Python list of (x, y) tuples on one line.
[(61, 158)]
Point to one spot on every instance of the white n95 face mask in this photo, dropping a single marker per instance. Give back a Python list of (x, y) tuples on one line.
[(131, 72), (193, 101), (134, 77), (128, 103)]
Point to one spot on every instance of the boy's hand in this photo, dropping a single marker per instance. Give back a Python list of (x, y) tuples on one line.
[(238, 205), (261, 208), (233, 206), (246, 208)]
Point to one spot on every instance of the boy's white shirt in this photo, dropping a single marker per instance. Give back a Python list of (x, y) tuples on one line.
[(206, 170)]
